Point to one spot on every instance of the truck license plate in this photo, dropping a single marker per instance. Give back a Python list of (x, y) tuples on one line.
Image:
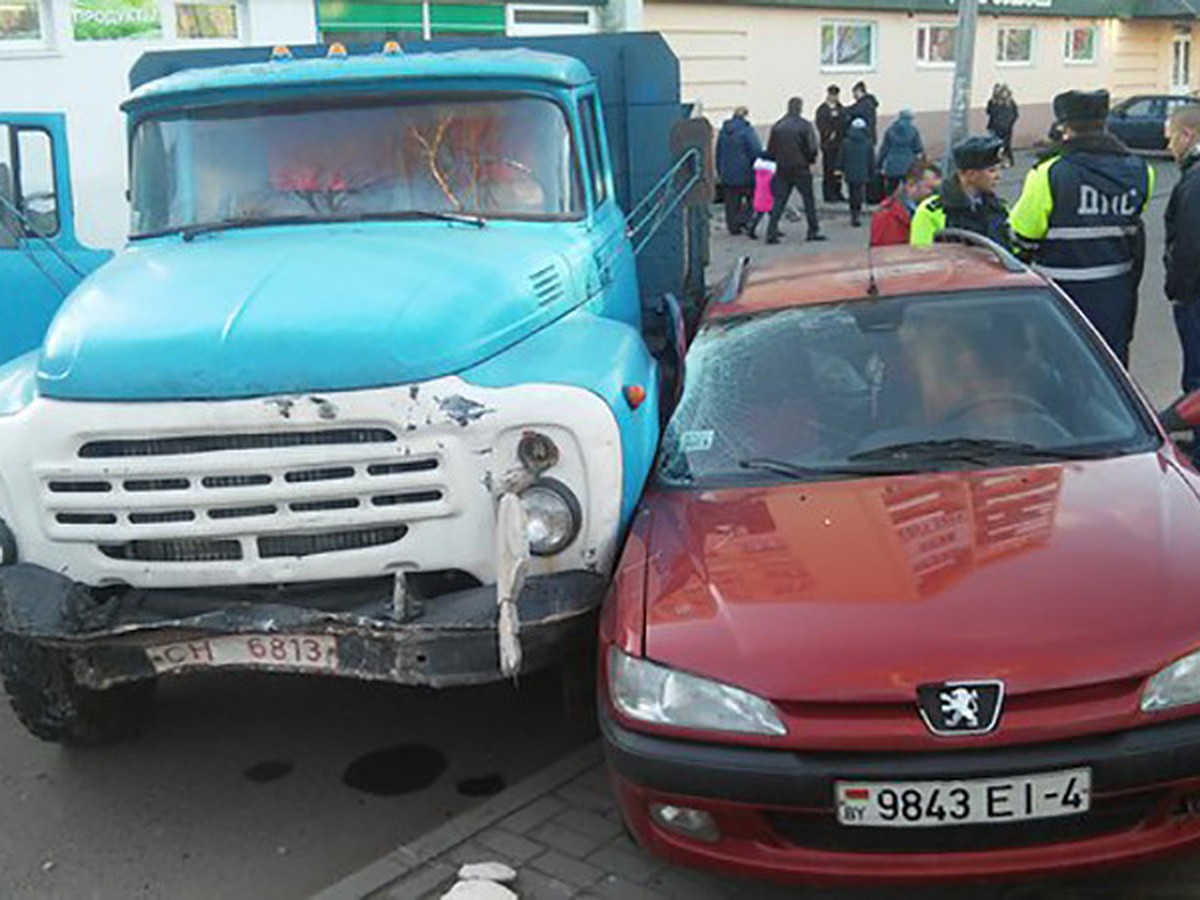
[(292, 652), (915, 804)]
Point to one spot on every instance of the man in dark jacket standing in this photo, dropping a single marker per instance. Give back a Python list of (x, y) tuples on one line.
[(1079, 218), (831, 125), (793, 146), (864, 107), (737, 149), (1182, 254)]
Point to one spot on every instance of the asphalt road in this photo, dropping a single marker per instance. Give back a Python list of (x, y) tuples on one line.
[(239, 786)]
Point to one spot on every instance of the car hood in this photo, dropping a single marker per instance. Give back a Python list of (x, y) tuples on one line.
[(857, 591), (304, 308)]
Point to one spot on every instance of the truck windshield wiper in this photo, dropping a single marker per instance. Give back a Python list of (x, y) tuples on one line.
[(978, 450), (190, 232), (436, 215), (802, 473)]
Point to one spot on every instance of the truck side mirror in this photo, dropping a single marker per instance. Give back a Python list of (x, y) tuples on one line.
[(1183, 414), (9, 229)]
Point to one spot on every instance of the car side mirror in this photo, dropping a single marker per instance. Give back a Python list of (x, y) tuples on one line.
[(1183, 414), (1117, 113)]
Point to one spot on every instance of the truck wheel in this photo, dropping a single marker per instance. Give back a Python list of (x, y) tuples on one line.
[(54, 707)]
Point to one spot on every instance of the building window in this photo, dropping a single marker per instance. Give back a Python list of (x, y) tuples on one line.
[(533, 21), (1079, 45), (206, 19), (1014, 45), (848, 45), (935, 44), (23, 24)]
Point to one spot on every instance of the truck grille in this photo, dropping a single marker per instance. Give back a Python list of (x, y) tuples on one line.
[(227, 497)]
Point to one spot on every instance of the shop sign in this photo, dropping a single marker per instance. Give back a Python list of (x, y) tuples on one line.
[(109, 20)]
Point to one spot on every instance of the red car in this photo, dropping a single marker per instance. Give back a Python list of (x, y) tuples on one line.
[(914, 593)]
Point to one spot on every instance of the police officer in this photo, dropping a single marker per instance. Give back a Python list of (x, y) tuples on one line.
[(1079, 217), (967, 198)]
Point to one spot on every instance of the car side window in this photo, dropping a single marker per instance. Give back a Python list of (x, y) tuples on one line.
[(1139, 108)]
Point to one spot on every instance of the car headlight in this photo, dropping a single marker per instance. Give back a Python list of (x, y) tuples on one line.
[(552, 516), (1176, 685), (649, 692)]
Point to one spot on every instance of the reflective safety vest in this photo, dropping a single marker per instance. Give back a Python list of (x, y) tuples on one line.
[(1078, 217)]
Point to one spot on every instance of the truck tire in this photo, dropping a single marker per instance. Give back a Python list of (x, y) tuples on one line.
[(51, 705)]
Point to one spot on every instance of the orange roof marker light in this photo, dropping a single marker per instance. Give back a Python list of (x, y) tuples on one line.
[(281, 53), (337, 50), (392, 48), (635, 395)]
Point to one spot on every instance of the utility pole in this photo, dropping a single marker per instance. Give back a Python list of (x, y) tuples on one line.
[(964, 64)]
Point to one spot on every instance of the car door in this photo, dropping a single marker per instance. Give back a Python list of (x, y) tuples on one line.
[(1138, 121), (40, 259)]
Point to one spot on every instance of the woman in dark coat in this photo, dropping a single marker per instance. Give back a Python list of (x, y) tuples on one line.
[(1002, 114), (900, 150), (855, 158)]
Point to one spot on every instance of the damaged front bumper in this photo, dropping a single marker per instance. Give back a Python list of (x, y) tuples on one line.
[(450, 639)]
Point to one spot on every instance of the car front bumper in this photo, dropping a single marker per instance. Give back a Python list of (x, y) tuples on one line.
[(776, 814), (449, 639)]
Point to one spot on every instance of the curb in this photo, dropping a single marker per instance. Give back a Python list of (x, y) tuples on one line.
[(395, 865)]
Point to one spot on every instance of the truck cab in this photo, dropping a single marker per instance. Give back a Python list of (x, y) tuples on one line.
[(367, 393)]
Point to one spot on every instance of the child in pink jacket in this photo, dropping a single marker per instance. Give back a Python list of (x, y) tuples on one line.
[(764, 171)]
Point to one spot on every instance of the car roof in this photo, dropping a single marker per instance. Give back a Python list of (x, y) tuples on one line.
[(845, 275)]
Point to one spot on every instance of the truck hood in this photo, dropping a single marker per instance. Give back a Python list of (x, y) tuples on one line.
[(858, 591), (304, 308)]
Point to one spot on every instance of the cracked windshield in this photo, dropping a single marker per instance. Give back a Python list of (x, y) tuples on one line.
[(894, 386), (502, 158)]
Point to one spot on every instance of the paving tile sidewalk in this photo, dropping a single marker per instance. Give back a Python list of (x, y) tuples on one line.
[(560, 830)]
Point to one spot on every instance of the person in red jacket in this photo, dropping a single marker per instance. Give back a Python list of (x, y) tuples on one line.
[(891, 221)]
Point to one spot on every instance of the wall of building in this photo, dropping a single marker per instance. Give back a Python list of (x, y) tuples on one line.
[(87, 80), (759, 56)]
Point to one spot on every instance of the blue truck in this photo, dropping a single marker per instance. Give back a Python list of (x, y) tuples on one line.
[(372, 390)]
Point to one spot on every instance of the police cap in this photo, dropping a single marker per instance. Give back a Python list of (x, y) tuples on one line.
[(980, 151), (1081, 106)]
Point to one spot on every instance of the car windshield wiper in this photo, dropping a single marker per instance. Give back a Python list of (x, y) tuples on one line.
[(979, 450), (190, 232), (801, 473)]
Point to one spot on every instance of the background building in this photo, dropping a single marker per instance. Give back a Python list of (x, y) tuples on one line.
[(760, 52)]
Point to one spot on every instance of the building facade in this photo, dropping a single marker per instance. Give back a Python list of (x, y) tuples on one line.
[(760, 52)]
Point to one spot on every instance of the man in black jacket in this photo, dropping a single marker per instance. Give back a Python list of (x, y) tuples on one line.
[(793, 146), (1182, 254), (831, 125)]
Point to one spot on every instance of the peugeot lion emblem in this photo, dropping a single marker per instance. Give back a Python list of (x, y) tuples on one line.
[(961, 707)]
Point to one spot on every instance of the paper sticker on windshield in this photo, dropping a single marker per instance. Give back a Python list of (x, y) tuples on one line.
[(693, 441)]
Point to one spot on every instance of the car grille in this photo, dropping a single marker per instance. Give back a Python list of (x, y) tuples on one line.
[(219, 498), (822, 831)]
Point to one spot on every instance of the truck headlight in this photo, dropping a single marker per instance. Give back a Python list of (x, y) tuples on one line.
[(649, 692), (552, 516), (1176, 685)]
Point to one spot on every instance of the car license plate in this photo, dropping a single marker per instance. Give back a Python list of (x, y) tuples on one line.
[(915, 804), (303, 652)]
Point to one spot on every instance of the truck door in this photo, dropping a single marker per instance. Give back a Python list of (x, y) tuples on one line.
[(40, 259)]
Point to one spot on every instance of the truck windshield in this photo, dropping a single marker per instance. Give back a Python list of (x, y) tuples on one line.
[(493, 157)]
